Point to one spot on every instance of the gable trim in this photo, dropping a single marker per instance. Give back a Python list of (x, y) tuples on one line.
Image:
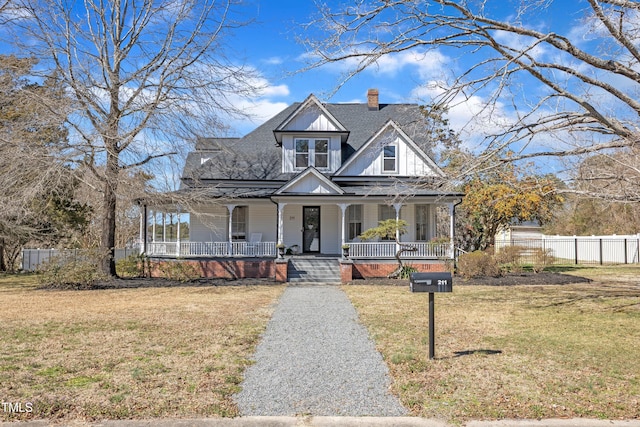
[(311, 100), (309, 171), (392, 124)]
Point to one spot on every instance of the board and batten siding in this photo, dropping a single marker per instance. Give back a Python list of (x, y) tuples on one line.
[(368, 161), (310, 119)]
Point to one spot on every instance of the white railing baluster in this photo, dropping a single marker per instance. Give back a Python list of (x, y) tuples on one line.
[(388, 250)]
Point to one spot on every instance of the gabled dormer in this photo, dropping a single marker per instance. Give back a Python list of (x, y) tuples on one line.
[(389, 152), (311, 137)]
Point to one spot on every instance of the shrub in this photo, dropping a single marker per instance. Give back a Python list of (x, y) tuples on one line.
[(131, 266), (405, 272), (542, 258), (179, 270), (510, 258), (478, 264), (72, 271)]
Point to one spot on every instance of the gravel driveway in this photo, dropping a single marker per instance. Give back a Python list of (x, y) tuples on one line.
[(316, 359)]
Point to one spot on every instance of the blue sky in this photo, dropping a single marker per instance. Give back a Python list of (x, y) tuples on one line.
[(270, 47)]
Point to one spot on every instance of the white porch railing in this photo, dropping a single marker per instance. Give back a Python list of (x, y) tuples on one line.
[(212, 249), (357, 250), (388, 250)]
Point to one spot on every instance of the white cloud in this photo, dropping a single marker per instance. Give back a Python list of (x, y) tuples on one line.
[(274, 60), (471, 116), (279, 90), (425, 63)]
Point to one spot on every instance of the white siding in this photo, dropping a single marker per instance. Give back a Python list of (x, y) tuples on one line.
[(368, 162), (330, 216), (311, 119), (292, 220), (408, 213), (263, 218), (212, 224), (209, 225), (310, 184)]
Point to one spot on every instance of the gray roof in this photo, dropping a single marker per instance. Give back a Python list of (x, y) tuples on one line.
[(361, 123)]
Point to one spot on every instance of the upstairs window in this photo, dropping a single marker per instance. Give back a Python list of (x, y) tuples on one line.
[(321, 149), (389, 159), (302, 153), (312, 152)]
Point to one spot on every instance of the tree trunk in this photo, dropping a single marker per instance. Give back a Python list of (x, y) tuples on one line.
[(3, 266), (398, 270), (108, 240)]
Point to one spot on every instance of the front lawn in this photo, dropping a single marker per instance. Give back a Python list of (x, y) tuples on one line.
[(512, 352), (127, 353)]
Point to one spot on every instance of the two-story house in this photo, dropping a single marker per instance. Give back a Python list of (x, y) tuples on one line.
[(312, 179)]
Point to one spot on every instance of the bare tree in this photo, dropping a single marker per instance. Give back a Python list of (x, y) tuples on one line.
[(546, 93), (145, 79)]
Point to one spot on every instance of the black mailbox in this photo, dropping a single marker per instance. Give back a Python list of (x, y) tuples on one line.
[(431, 282)]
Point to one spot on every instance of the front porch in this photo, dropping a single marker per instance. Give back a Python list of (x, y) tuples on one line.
[(324, 226)]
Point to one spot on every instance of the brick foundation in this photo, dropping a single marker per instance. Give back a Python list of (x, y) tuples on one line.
[(218, 268), (346, 271), (281, 266), (370, 270)]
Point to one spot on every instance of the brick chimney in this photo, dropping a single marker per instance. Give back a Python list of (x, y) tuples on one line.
[(372, 100)]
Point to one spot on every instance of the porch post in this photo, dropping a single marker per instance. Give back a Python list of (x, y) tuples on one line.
[(451, 230), (230, 208), (178, 235), (397, 207), (143, 229), (153, 231), (164, 226), (281, 222), (343, 209)]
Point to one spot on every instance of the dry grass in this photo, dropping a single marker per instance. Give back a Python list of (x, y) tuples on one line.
[(511, 352), (131, 353)]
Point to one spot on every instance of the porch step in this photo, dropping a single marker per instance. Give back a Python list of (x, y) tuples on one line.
[(313, 270)]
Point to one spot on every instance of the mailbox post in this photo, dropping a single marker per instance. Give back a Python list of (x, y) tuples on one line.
[(431, 283)]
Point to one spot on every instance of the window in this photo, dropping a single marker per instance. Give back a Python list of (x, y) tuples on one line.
[(354, 221), (422, 222), (389, 158), (239, 223), (386, 212), (302, 153), (321, 153), (312, 152)]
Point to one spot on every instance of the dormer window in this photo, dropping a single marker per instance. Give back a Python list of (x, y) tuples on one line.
[(302, 153), (321, 157), (389, 159), (312, 152)]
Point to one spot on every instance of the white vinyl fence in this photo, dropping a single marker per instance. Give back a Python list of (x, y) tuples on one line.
[(583, 249), (33, 258)]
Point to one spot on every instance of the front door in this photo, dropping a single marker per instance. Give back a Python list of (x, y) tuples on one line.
[(311, 229)]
